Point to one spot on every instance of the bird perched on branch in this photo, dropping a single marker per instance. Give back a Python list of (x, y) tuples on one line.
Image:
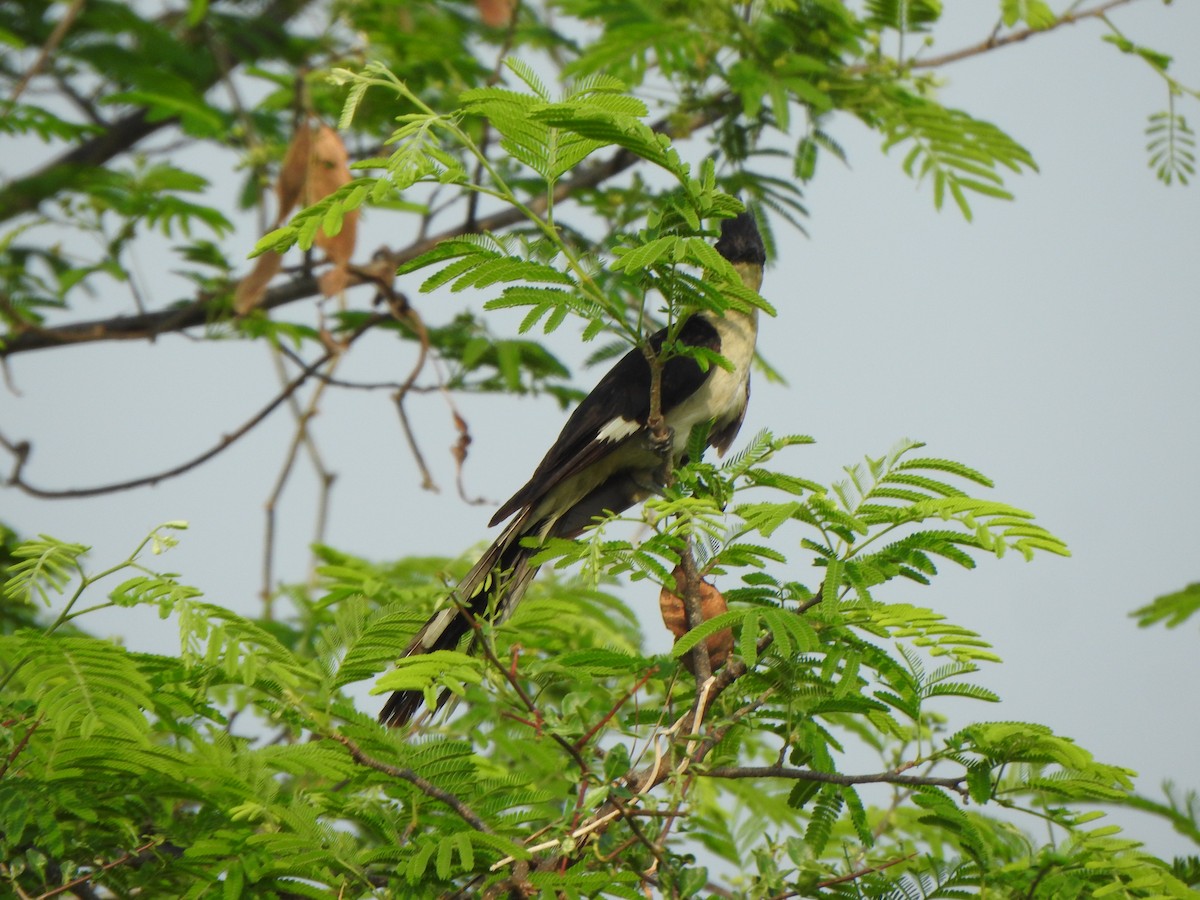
[(606, 459)]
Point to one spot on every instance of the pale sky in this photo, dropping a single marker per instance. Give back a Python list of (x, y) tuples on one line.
[(1050, 344)]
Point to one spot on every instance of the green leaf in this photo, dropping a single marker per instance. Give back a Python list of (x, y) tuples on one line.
[(1034, 13), (957, 152), (442, 668), (1172, 609), (44, 567)]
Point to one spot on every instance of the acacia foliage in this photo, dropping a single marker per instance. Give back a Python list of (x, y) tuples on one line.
[(578, 763), (574, 768)]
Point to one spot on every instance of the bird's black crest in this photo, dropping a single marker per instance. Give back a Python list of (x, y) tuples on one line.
[(740, 241)]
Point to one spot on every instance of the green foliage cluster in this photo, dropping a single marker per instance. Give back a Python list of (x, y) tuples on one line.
[(818, 761), (241, 764)]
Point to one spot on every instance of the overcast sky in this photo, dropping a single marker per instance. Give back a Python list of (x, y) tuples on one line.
[(1051, 344)]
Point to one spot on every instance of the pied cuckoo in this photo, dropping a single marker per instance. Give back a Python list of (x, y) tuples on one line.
[(604, 460)]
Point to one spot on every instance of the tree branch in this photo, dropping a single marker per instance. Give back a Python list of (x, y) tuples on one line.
[(650, 776), (84, 879), (22, 449), (200, 311), (52, 42), (892, 777), (465, 812), (994, 42)]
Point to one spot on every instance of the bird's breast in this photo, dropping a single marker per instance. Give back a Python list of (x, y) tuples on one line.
[(723, 395)]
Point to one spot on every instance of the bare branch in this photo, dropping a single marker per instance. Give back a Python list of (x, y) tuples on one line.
[(21, 450), (859, 873), (459, 452), (591, 732), (301, 437), (892, 777), (52, 42), (995, 42), (397, 304), (427, 482)]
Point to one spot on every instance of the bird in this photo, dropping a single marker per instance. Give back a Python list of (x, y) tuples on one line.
[(605, 459)]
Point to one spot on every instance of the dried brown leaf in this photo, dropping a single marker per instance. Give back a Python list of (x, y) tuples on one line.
[(328, 170), (293, 174), (496, 13), (250, 290), (315, 165), (712, 603)]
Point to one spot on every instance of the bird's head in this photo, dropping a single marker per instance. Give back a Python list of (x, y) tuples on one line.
[(742, 245)]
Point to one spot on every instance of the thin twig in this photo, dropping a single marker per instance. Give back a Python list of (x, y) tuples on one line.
[(510, 675), (630, 820), (21, 450), (848, 877), (464, 812), (427, 482), (52, 42), (860, 873), (84, 104), (994, 43), (954, 784), (21, 744), (591, 732), (486, 135), (301, 437), (458, 451), (83, 879), (325, 477), (399, 309)]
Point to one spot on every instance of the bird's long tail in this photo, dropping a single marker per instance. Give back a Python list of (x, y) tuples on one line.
[(490, 590)]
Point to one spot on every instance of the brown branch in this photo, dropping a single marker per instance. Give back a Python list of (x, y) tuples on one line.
[(849, 876), (458, 451), (21, 744), (695, 617), (52, 42), (486, 136), (628, 815), (510, 675), (427, 482), (591, 732), (21, 450), (893, 777), (398, 306), (994, 42), (84, 879), (465, 812), (301, 437)]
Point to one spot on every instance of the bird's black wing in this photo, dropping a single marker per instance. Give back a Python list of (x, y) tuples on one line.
[(616, 410)]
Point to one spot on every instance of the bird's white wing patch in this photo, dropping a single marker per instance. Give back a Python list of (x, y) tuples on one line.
[(617, 429), (436, 626)]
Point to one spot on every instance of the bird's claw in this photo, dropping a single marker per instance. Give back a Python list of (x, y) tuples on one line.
[(662, 439)]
